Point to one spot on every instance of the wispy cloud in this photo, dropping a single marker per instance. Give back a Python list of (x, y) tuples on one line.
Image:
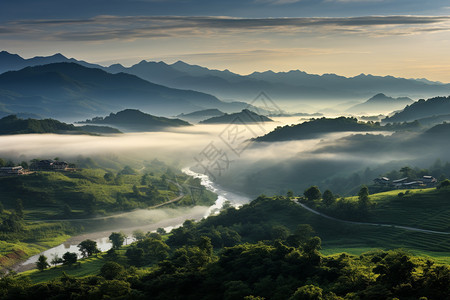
[(114, 27), (277, 2)]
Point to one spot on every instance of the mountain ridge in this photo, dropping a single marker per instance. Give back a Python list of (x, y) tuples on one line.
[(72, 90), (284, 86), (380, 103)]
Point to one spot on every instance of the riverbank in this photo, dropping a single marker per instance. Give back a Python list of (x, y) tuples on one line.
[(145, 220), (70, 244)]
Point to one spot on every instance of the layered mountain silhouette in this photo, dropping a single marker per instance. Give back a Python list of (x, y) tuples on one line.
[(69, 90), (291, 86), (201, 115), (437, 107), (380, 103), (135, 120), (245, 116)]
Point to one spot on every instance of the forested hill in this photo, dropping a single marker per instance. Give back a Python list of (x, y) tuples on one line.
[(422, 109), (315, 127), (134, 119), (13, 125), (245, 116)]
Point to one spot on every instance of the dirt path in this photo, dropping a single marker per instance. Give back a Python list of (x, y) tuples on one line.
[(372, 224)]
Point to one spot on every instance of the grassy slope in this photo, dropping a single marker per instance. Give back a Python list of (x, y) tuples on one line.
[(45, 193), (426, 209)]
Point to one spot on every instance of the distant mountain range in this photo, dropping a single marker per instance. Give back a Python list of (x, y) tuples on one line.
[(245, 116), (135, 120), (72, 91), (289, 86), (380, 103), (423, 109)]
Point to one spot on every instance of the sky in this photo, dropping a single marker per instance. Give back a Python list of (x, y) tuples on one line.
[(403, 38)]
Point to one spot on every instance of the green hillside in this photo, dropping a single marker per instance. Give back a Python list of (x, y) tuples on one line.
[(265, 249), (42, 209), (14, 125)]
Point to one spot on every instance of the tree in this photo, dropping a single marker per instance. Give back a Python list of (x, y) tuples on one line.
[(312, 193), (88, 248), (161, 230), (138, 235), (302, 233), (135, 255), (205, 245), (144, 179), (363, 197), (328, 198), (290, 194), (56, 260), (69, 258), (18, 207), (67, 211), (127, 170), (117, 239), (444, 184), (279, 232), (42, 263), (136, 191), (111, 270), (407, 172), (109, 176), (308, 292)]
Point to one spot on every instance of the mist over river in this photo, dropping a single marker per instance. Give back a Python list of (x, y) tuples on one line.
[(171, 221)]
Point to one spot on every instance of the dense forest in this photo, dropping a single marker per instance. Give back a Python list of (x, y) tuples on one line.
[(239, 254)]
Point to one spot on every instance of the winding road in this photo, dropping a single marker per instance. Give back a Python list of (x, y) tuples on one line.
[(372, 224)]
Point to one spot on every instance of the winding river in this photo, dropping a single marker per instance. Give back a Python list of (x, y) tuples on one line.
[(101, 237)]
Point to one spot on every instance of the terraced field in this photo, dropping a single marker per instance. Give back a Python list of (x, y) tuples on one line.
[(426, 209)]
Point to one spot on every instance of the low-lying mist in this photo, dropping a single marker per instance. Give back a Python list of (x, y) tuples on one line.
[(247, 167)]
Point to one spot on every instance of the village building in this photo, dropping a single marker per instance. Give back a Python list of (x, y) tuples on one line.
[(49, 165), (382, 181), (429, 180), (8, 171)]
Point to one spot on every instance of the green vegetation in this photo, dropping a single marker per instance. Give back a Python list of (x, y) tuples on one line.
[(87, 192), (13, 125), (261, 250), (41, 210), (316, 127)]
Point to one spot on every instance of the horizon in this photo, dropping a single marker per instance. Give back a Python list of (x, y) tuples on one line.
[(403, 38), (129, 65)]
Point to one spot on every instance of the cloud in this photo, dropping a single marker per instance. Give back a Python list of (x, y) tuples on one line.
[(277, 2), (355, 1), (102, 28)]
